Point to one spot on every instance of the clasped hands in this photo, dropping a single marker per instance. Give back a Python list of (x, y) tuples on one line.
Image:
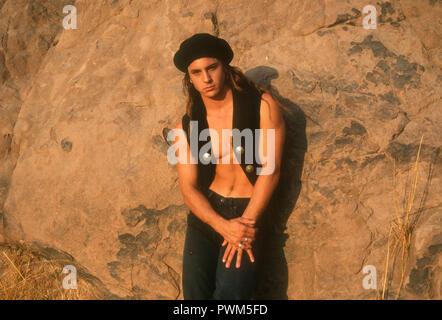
[(238, 233)]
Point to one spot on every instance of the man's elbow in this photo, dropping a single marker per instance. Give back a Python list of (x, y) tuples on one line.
[(188, 192), (276, 174), (273, 172)]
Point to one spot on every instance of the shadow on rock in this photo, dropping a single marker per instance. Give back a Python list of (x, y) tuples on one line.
[(273, 277)]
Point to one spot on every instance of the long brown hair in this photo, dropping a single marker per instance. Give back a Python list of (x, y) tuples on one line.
[(235, 78)]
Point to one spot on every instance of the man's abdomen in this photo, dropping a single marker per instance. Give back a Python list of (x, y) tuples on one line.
[(231, 181)]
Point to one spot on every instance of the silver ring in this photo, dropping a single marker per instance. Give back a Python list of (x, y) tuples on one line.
[(246, 239), (240, 245)]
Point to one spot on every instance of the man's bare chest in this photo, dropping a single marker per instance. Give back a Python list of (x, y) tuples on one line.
[(220, 128)]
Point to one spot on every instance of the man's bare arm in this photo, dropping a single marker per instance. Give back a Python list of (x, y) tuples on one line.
[(194, 199), (271, 118)]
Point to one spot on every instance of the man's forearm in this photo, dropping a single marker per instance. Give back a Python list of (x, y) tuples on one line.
[(262, 193), (197, 202)]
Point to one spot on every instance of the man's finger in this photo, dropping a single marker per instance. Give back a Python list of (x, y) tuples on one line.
[(252, 258), (248, 240), (231, 255), (238, 258), (226, 252), (250, 233), (242, 239), (224, 243), (247, 221)]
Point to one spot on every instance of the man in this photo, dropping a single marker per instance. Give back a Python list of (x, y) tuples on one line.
[(227, 200)]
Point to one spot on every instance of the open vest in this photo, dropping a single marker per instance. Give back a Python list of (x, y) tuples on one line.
[(246, 115)]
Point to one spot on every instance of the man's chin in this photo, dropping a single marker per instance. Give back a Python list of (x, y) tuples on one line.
[(211, 93)]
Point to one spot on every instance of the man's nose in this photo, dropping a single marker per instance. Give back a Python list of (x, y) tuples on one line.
[(206, 77)]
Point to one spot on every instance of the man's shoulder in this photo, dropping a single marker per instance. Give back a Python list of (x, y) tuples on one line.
[(267, 98), (266, 102), (270, 110)]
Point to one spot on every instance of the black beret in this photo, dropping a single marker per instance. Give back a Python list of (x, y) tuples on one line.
[(202, 45)]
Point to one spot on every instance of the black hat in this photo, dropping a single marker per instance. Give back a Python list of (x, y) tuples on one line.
[(202, 45)]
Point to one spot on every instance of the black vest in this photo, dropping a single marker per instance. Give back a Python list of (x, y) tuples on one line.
[(246, 114)]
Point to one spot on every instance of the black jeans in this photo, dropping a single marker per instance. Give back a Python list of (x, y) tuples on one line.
[(205, 276)]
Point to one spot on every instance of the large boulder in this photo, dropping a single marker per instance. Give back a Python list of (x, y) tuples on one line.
[(84, 170)]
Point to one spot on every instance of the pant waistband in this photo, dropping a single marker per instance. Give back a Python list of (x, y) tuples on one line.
[(226, 200)]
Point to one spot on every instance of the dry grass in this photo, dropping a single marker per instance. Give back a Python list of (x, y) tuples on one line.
[(24, 275), (399, 236)]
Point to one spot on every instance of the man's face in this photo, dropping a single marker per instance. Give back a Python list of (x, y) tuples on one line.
[(205, 73)]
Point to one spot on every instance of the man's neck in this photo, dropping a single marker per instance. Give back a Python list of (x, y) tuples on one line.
[(219, 103)]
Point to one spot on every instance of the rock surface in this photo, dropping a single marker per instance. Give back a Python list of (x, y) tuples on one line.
[(84, 173)]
